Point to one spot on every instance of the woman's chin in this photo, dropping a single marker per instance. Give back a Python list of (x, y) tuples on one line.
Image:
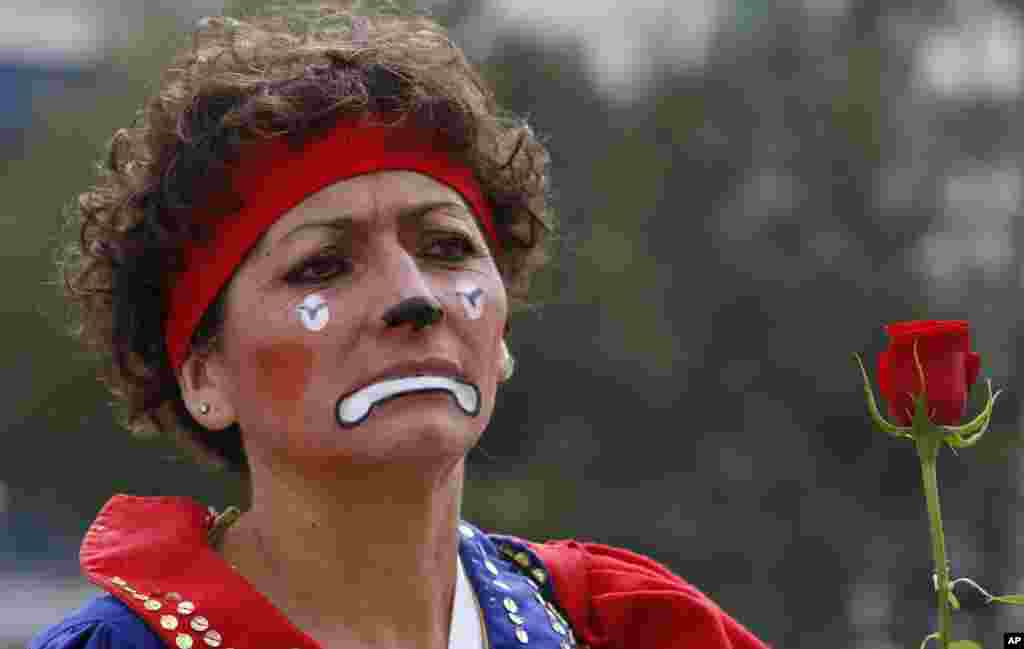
[(421, 426)]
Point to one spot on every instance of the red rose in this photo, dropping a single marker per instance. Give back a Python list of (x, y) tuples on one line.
[(950, 369)]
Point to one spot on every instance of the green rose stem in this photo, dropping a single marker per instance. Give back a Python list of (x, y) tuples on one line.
[(928, 451)]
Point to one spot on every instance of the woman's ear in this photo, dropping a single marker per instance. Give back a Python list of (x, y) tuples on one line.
[(205, 388)]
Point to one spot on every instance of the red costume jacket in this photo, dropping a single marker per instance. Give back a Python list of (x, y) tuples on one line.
[(617, 599), (169, 589)]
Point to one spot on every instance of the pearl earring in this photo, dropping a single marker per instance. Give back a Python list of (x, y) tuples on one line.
[(204, 408), (508, 364)]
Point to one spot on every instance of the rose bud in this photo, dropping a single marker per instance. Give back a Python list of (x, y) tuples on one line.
[(950, 369)]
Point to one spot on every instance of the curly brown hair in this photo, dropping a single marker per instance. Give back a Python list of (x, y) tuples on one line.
[(272, 75)]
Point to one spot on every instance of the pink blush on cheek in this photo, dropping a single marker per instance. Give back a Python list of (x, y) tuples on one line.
[(282, 374)]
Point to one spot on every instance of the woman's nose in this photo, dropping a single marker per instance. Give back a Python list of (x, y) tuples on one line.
[(419, 310), (413, 300)]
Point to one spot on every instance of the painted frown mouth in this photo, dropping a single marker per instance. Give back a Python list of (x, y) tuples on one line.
[(355, 407)]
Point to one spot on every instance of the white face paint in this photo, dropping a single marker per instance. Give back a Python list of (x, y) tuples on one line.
[(356, 407), (313, 312), (472, 298)]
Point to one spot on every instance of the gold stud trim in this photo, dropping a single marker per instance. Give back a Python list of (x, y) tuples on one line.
[(521, 635), (493, 569), (522, 559), (507, 550), (169, 622), (183, 640), (516, 619), (510, 605), (557, 617), (538, 575)]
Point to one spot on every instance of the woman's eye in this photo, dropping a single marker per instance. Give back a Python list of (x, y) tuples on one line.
[(452, 248), (318, 269)]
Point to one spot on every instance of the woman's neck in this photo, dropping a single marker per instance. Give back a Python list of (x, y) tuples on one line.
[(367, 559)]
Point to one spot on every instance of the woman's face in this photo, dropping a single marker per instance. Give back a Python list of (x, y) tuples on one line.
[(304, 323)]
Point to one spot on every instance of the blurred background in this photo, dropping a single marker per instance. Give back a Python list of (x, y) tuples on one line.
[(749, 191)]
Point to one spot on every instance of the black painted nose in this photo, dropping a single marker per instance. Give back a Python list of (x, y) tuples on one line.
[(417, 310)]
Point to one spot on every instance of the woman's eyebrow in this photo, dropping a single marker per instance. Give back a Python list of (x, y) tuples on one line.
[(412, 213)]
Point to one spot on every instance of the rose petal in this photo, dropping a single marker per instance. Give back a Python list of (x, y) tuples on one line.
[(972, 365), (884, 380)]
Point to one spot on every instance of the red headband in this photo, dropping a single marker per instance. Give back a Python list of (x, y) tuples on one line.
[(274, 178)]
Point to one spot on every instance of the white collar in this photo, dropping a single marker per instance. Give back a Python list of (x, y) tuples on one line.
[(467, 622)]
